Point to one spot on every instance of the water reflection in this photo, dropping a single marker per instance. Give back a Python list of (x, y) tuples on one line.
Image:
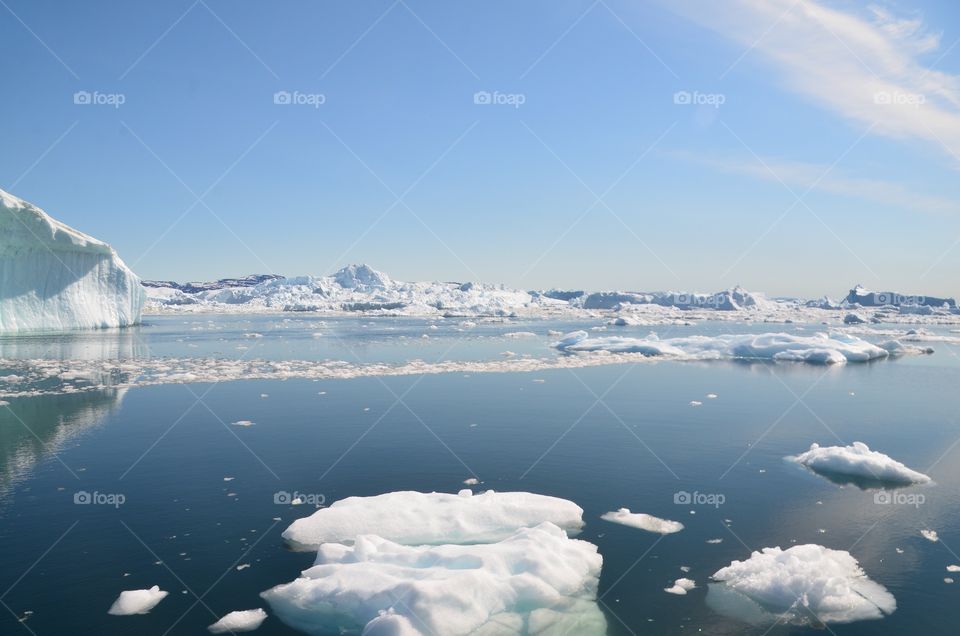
[(36, 428)]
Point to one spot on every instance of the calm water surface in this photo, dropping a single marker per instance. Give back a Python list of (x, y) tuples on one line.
[(604, 437)]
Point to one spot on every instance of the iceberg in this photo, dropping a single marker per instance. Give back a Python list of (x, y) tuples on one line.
[(54, 278), (137, 601), (859, 465), (416, 518), (806, 585), (535, 581)]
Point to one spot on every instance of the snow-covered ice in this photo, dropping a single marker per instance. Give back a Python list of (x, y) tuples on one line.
[(54, 278), (533, 581), (239, 621), (806, 584), (643, 521), (416, 518), (859, 462), (930, 535), (137, 601)]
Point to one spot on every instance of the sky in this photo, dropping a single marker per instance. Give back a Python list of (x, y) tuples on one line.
[(796, 147)]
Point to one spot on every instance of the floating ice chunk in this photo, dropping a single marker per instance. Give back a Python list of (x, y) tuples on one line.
[(930, 535), (239, 621), (681, 586), (520, 334), (137, 601), (953, 568), (806, 584), (696, 403), (415, 518), (535, 580), (471, 481), (244, 423), (642, 521), (859, 465), (819, 348), (715, 541), (54, 278)]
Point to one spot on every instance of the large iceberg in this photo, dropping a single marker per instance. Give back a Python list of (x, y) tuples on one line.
[(412, 564), (54, 278), (535, 581)]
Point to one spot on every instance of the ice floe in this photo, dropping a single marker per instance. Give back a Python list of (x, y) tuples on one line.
[(416, 518), (137, 601), (239, 621), (859, 465), (805, 584), (821, 348), (643, 521)]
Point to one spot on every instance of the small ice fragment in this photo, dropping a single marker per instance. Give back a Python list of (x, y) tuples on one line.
[(681, 586), (715, 541), (711, 396), (136, 601), (953, 568), (930, 535), (696, 403), (472, 481), (242, 566), (239, 621), (623, 516), (947, 579), (243, 423)]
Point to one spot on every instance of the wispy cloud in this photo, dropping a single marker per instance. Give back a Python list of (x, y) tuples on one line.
[(801, 176), (873, 67)]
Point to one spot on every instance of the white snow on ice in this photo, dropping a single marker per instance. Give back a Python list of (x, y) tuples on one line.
[(137, 601), (808, 583), (643, 521), (858, 460), (54, 278)]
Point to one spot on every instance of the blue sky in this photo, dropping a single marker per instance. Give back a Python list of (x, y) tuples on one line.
[(815, 144)]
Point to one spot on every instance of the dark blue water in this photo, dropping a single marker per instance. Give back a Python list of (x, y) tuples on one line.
[(167, 454)]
